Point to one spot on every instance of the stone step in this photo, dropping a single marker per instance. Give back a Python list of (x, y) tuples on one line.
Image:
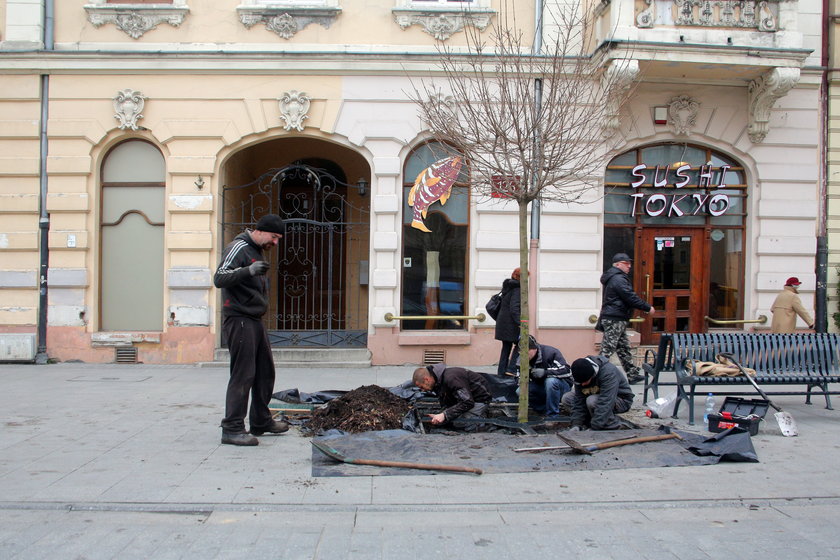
[(305, 357)]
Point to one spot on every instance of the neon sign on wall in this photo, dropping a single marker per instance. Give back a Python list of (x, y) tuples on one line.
[(676, 205)]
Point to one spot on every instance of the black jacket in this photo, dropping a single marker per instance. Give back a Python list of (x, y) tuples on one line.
[(507, 323), (610, 385), (458, 389), (242, 294), (551, 360), (619, 298)]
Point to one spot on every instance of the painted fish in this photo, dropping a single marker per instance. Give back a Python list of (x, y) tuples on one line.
[(432, 184)]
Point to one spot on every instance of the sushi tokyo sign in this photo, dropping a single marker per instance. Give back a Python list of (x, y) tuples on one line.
[(678, 204)]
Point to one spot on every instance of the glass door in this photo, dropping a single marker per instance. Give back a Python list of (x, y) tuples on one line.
[(669, 274)]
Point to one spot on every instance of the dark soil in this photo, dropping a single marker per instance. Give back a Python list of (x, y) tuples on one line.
[(368, 408)]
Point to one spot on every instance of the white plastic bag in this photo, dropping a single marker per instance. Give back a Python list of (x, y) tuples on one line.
[(661, 407)]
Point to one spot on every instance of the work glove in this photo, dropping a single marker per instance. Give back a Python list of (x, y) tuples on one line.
[(537, 374), (258, 268), (576, 429)]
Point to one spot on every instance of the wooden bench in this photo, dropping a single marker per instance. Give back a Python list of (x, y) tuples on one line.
[(808, 359)]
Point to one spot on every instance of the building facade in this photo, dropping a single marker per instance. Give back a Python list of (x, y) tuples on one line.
[(140, 137)]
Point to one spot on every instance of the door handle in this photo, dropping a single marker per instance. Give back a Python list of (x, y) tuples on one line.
[(647, 286)]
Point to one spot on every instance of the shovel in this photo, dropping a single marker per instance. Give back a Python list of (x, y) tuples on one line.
[(588, 449), (786, 422), (339, 456), (555, 447)]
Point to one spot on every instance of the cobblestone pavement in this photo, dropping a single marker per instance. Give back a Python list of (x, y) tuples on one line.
[(124, 461)]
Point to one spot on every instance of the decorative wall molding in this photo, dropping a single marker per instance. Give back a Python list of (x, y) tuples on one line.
[(294, 106), (762, 15), (620, 75), (136, 19), (682, 114), (287, 20), (764, 91), (443, 24), (128, 105)]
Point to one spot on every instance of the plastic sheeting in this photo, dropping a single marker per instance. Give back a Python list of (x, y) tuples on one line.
[(494, 452)]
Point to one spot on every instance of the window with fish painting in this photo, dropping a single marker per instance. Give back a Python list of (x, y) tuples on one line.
[(435, 230)]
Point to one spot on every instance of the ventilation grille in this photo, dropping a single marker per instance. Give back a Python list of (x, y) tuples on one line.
[(433, 357), (126, 355)]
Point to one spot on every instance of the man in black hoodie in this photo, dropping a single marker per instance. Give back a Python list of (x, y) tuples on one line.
[(550, 378), (617, 306), (600, 392), (241, 276), (462, 392)]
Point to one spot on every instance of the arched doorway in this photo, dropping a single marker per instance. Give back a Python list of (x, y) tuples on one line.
[(319, 272), (680, 211)]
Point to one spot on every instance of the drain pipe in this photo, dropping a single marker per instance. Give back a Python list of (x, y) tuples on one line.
[(44, 218), (533, 257), (821, 265)]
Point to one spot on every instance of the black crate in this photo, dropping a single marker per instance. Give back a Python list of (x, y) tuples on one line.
[(746, 414)]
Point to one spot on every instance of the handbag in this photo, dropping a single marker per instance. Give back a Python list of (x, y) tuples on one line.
[(494, 305)]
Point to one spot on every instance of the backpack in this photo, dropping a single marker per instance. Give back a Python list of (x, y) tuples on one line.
[(494, 305)]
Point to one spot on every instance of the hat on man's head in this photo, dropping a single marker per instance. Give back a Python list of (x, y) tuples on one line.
[(618, 257), (583, 369), (271, 223), (532, 342), (793, 281)]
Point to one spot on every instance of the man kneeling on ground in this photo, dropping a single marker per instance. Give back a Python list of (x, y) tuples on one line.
[(462, 393), (550, 378), (600, 392)]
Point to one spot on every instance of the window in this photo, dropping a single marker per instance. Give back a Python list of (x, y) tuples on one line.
[(131, 238), (689, 188), (434, 262), (138, 1)]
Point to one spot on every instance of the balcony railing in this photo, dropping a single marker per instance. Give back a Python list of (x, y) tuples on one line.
[(762, 15)]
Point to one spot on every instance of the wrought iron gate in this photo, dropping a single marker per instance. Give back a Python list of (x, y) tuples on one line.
[(319, 270)]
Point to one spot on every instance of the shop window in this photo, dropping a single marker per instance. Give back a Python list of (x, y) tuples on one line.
[(677, 187), (434, 262), (132, 238)]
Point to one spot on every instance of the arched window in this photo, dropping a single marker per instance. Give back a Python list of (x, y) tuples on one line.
[(131, 238), (434, 241), (680, 210)]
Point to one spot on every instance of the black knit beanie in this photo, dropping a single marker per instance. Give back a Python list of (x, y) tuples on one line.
[(271, 223)]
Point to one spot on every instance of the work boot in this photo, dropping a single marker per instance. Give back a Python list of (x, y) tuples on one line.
[(239, 438), (633, 378), (276, 427)]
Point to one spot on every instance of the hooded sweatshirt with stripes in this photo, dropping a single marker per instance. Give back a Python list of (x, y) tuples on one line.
[(242, 294)]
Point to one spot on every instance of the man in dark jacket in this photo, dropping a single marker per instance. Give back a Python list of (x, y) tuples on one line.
[(462, 393), (550, 378), (507, 322), (617, 306), (241, 276), (600, 392)]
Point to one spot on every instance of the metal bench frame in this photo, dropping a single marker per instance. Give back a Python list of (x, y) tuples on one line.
[(810, 359)]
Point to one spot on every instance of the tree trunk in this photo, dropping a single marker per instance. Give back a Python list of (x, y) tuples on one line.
[(524, 362)]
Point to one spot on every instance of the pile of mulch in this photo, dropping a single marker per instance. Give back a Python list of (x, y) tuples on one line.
[(368, 408)]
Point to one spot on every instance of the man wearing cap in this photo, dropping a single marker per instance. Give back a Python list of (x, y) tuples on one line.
[(787, 306), (241, 277), (619, 301), (550, 377), (600, 392)]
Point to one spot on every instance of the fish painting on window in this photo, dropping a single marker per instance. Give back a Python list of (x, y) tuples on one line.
[(432, 184)]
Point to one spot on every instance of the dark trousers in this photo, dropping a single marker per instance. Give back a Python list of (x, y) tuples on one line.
[(504, 357), (251, 372)]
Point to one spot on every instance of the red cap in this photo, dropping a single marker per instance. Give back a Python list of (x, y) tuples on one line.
[(793, 281)]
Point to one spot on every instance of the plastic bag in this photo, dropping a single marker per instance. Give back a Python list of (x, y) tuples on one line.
[(661, 407)]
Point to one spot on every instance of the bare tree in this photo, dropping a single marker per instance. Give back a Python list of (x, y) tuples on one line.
[(533, 122)]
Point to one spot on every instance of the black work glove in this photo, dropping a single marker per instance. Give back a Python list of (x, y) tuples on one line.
[(538, 374), (258, 268)]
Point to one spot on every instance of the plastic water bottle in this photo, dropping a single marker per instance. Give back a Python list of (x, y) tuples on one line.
[(710, 409)]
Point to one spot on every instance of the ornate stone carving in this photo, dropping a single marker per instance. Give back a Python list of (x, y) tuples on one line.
[(645, 18), (288, 20), (136, 21), (744, 14), (293, 108), (619, 76), (129, 107), (682, 114), (442, 25), (764, 91)]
